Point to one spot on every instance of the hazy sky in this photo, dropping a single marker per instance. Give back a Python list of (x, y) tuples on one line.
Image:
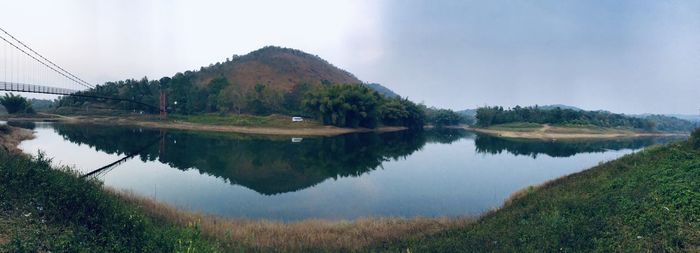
[(623, 56)]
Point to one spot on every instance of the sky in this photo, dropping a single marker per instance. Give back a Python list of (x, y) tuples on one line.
[(623, 56)]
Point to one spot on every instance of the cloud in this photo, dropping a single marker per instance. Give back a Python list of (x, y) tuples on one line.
[(629, 56)]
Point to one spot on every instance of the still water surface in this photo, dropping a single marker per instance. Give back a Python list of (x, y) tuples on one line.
[(407, 174)]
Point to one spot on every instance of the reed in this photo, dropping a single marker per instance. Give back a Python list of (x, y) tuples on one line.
[(306, 235)]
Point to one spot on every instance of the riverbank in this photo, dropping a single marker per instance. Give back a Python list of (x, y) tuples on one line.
[(642, 202), (70, 214), (563, 132), (49, 209), (310, 235), (247, 124), (10, 137)]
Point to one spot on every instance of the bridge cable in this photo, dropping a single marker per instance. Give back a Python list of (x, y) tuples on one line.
[(61, 73), (84, 83)]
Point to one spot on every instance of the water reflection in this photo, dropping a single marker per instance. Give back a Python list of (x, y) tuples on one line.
[(408, 174), (273, 165), (267, 165), (563, 148)]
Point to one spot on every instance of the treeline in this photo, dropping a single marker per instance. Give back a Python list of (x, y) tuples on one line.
[(16, 104), (672, 124), (343, 105), (487, 116)]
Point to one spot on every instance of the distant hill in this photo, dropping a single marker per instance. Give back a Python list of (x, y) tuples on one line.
[(277, 67), (669, 122), (472, 112), (468, 112), (560, 106), (688, 117), (382, 90)]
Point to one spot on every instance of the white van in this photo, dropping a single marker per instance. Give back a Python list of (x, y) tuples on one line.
[(297, 119)]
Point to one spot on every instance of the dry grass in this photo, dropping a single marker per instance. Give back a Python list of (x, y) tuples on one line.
[(306, 235), (10, 137)]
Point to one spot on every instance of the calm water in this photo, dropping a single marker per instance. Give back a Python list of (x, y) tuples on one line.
[(431, 173)]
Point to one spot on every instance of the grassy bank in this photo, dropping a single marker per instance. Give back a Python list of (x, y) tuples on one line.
[(273, 121), (44, 209), (229, 123), (48, 209), (644, 202), (311, 235)]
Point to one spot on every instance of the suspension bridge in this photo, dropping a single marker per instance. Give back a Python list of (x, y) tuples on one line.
[(26, 70)]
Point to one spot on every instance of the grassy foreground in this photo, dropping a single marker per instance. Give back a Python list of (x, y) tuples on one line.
[(44, 209), (643, 202)]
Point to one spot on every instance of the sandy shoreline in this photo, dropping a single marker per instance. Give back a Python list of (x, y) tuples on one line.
[(544, 133), (10, 137), (150, 123)]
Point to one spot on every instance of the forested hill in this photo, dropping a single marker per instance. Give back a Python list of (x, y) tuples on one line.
[(271, 80), (276, 67), (487, 116), (268, 80)]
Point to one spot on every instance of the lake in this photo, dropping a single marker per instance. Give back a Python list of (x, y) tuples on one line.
[(404, 174)]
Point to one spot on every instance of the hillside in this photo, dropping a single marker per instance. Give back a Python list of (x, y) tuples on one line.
[(277, 67), (560, 106), (271, 80)]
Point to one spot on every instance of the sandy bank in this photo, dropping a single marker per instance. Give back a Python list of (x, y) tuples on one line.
[(547, 132), (10, 137), (151, 122)]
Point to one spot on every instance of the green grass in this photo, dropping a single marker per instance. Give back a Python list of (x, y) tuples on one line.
[(44, 209), (643, 202), (275, 121)]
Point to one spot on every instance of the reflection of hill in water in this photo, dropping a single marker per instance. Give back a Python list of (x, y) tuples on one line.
[(268, 165), (272, 165), (495, 145)]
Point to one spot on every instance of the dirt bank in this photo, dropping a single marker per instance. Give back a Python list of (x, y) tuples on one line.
[(10, 137), (153, 122), (547, 132)]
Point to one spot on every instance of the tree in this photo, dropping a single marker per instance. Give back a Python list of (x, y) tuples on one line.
[(695, 139), (292, 100), (444, 117), (16, 104), (487, 116), (401, 112), (344, 105), (214, 88)]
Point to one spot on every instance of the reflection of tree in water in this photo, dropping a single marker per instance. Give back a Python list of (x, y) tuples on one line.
[(495, 145), (268, 165), (446, 135), (22, 124)]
